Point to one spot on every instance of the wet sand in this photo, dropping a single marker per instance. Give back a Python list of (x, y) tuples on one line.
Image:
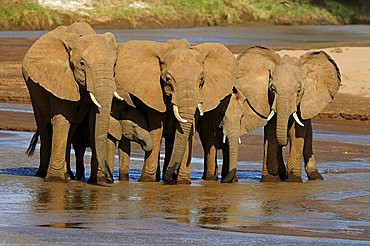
[(334, 211)]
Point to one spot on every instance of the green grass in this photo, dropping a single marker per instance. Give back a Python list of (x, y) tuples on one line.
[(27, 14)]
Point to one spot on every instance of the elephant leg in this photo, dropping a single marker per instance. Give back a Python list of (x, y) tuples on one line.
[(294, 166), (308, 156), (155, 127), (124, 150), (208, 140), (225, 160), (183, 176), (68, 151), (45, 148), (80, 166), (169, 140), (57, 170), (273, 169), (210, 161)]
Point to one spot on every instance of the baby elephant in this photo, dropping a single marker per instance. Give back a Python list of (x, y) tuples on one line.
[(130, 128)]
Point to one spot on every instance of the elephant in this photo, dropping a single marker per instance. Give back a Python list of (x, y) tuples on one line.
[(172, 78), (126, 127), (69, 74), (129, 124), (288, 92), (222, 128)]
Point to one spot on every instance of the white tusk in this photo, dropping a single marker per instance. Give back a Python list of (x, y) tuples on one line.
[(118, 96), (295, 116), (94, 100), (240, 140), (224, 139), (272, 113), (200, 108), (177, 115)]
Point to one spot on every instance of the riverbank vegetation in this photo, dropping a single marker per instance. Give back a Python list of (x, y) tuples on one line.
[(29, 14)]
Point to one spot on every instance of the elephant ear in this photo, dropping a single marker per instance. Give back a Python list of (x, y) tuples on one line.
[(322, 80), (220, 68), (47, 64), (254, 66), (137, 72), (250, 119)]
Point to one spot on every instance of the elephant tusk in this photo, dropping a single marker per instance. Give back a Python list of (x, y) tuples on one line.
[(94, 100), (240, 140), (200, 108), (118, 96), (295, 116), (224, 139), (272, 113), (177, 115)]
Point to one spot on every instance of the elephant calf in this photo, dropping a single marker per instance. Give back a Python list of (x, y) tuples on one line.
[(130, 127)]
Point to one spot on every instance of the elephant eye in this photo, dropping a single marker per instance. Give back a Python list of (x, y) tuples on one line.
[(168, 79), (82, 63), (201, 80), (273, 88)]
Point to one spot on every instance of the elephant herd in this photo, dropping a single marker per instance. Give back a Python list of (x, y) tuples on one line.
[(88, 91)]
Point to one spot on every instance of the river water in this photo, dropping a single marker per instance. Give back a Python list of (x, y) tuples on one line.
[(249, 35), (334, 211)]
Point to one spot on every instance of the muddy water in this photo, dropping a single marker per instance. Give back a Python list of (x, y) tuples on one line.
[(334, 211)]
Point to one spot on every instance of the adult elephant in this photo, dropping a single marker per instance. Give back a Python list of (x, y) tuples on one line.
[(69, 73), (185, 78), (222, 128), (289, 92)]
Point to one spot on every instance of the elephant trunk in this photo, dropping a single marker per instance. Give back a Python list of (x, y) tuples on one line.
[(182, 138), (104, 95), (144, 139), (283, 113), (233, 144)]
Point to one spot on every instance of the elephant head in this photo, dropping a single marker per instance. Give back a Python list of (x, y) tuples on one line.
[(238, 120), (287, 85), (72, 62), (192, 77)]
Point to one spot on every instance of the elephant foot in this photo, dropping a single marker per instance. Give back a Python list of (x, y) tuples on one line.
[(230, 177), (41, 173), (183, 181), (147, 178), (293, 178), (102, 180), (270, 178), (57, 179), (80, 177), (315, 176), (211, 178), (123, 177)]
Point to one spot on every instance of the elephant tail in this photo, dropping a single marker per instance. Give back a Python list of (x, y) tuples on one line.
[(31, 148)]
